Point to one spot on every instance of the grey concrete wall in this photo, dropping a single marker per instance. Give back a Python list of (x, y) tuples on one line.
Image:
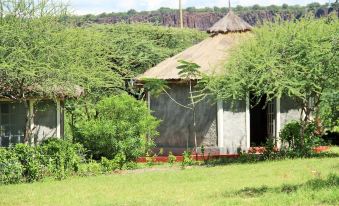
[(234, 127), (176, 128), (45, 120), (289, 111)]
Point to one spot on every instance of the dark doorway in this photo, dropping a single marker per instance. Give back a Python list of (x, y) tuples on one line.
[(258, 121)]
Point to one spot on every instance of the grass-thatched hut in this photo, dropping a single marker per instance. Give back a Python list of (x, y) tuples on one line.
[(220, 128), (42, 117)]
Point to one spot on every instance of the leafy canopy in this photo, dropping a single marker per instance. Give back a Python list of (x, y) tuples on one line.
[(41, 55), (134, 48), (298, 58)]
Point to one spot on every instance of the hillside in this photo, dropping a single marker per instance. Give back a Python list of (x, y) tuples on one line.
[(204, 18)]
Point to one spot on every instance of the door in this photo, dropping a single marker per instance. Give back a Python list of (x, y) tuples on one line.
[(262, 121)]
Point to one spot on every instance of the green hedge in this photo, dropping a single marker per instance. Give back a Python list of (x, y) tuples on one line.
[(123, 130), (54, 157)]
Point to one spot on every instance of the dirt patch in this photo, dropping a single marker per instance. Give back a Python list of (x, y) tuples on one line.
[(144, 170)]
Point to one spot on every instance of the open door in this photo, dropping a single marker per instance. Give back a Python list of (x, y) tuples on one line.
[(262, 121)]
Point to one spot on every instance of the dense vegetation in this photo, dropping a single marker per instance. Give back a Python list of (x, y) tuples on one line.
[(297, 59), (122, 129), (137, 47), (43, 54), (23, 163)]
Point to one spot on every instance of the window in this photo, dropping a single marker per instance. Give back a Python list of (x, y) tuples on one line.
[(12, 123), (271, 116)]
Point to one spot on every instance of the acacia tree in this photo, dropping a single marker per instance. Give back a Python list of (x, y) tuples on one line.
[(41, 55), (299, 59)]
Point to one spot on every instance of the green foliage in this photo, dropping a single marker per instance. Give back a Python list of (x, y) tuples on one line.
[(123, 130), (134, 48), (62, 158), (41, 55), (108, 165), (299, 59), (155, 86), (171, 158), (91, 168), (291, 136), (10, 167), (30, 159), (129, 51), (329, 111), (253, 11), (187, 159), (188, 70), (23, 163)]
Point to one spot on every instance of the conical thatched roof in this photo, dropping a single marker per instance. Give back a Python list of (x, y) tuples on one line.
[(230, 23), (210, 54)]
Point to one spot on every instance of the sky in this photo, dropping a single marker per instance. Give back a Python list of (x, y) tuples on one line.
[(100, 6)]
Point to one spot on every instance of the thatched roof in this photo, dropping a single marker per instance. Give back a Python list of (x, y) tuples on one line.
[(230, 23), (209, 54)]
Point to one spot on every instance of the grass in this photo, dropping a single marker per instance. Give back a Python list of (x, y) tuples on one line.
[(286, 182)]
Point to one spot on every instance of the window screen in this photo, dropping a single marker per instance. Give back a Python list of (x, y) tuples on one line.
[(12, 123)]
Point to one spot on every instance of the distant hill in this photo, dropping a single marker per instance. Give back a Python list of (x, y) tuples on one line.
[(206, 17)]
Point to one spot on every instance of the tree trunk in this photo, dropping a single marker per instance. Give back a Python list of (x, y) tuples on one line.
[(28, 120), (304, 122), (194, 123)]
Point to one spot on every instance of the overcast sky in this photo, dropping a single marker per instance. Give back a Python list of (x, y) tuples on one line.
[(100, 6)]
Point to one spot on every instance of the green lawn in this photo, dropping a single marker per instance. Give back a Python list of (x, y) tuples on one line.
[(267, 183)]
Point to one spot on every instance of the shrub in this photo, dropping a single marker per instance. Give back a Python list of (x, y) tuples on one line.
[(171, 158), (108, 165), (61, 157), (30, 160), (187, 159), (122, 130), (291, 137), (54, 157), (92, 168), (10, 167)]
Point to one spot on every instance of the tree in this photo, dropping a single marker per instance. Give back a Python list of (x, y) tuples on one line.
[(43, 56), (256, 7), (299, 59), (131, 12), (189, 71), (284, 6), (165, 10), (313, 6), (191, 9)]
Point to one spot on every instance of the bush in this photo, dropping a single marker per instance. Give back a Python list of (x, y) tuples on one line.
[(108, 165), (122, 130), (54, 157), (91, 168), (171, 158), (187, 159), (10, 167), (291, 138), (61, 157), (30, 159)]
